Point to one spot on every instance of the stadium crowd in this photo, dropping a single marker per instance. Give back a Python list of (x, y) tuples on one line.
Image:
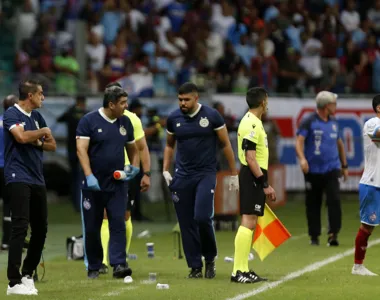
[(284, 46)]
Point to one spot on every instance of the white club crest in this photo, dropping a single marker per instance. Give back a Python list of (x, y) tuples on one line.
[(204, 122), (86, 204), (334, 127), (123, 131), (37, 125)]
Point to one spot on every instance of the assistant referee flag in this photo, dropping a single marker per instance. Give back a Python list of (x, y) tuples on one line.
[(269, 234)]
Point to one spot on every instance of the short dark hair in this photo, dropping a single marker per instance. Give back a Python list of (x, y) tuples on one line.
[(115, 83), (80, 98), (256, 96), (27, 86), (217, 104), (375, 102), (9, 101), (113, 94), (187, 88)]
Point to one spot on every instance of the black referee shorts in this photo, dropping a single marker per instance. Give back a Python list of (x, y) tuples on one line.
[(252, 196)]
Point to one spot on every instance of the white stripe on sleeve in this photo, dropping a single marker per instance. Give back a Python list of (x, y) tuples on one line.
[(221, 127), (15, 125)]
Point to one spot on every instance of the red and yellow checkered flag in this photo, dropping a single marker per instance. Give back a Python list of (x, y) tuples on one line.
[(269, 234)]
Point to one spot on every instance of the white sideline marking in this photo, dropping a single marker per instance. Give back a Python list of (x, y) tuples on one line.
[(310, 268)]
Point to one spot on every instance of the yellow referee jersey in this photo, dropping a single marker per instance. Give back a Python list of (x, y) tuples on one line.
[(252, 129), (138, 130)]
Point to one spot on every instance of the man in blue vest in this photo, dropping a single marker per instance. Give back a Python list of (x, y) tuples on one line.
[(321, 155)]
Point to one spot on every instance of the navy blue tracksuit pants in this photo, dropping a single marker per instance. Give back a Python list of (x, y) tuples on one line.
[(92, 208), (193, 199)]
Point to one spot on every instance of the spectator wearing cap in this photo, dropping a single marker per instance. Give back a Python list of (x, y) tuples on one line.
[(322, 158)]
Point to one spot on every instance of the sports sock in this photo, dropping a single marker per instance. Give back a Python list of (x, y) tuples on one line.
[(105, 236), (129, 231), (243, 241), (361, 245)]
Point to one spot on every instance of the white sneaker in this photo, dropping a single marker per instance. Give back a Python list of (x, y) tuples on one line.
[(29, 283), (20, 289), (362, 270)]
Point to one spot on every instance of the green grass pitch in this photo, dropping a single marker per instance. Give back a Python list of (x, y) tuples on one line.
[(67, 279)]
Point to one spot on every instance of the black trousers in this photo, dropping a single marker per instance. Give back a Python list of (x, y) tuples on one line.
[(28, 206), (316, 185), (6, 211), (75, 183)]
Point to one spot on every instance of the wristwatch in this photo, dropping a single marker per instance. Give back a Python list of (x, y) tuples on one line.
[(147, 173), (344, 166)]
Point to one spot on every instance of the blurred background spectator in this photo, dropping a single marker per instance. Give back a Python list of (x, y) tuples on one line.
[(286, 46)]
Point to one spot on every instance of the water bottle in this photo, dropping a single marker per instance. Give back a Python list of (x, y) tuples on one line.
[(132, 256), (162, 286), (228, 259), (150, 249), (119, 175)]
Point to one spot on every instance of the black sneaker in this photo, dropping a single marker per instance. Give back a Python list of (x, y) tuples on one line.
[(120, 271), (314, 241), (103, 269), (241, 277), (210, 270), (195, 273), (4, 247), (93, 274), (332, 241), (256, 278)]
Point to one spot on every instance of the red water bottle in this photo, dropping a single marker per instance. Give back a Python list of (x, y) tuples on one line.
[(119, 175)]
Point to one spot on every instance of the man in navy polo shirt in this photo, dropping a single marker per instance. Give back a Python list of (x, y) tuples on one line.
[(26, 136), (102, 136), (8, 102), (196, 128), (322, 158)]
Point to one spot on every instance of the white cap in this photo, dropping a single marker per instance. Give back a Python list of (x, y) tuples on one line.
[(323, 98)]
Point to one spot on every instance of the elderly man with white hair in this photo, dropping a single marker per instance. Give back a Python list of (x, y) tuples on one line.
[(322, 158)]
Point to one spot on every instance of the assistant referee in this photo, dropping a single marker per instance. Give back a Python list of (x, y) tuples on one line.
[(253, 180)]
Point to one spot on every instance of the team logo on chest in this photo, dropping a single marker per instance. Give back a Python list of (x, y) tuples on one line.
[(204, 122), (86, 204), (123, 131), (37, 125), (334, 127)]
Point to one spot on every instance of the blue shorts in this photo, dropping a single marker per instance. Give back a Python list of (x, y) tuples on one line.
[(369, 197)]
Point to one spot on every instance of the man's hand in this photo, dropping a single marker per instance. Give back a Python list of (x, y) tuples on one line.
[(304, 166), (131, 172), (233, 184), (270, 193), (345, 174), (168, 177), (92, 183), (37, 143), (145, 183), (46, 131)]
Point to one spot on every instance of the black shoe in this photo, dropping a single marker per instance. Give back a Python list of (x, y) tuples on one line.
[(93, 274), (332, 241), (210, 270), (195, 273), (256, 278), (4, 247), (103, 269), (241, 277), (314, 241), (120, 271)]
